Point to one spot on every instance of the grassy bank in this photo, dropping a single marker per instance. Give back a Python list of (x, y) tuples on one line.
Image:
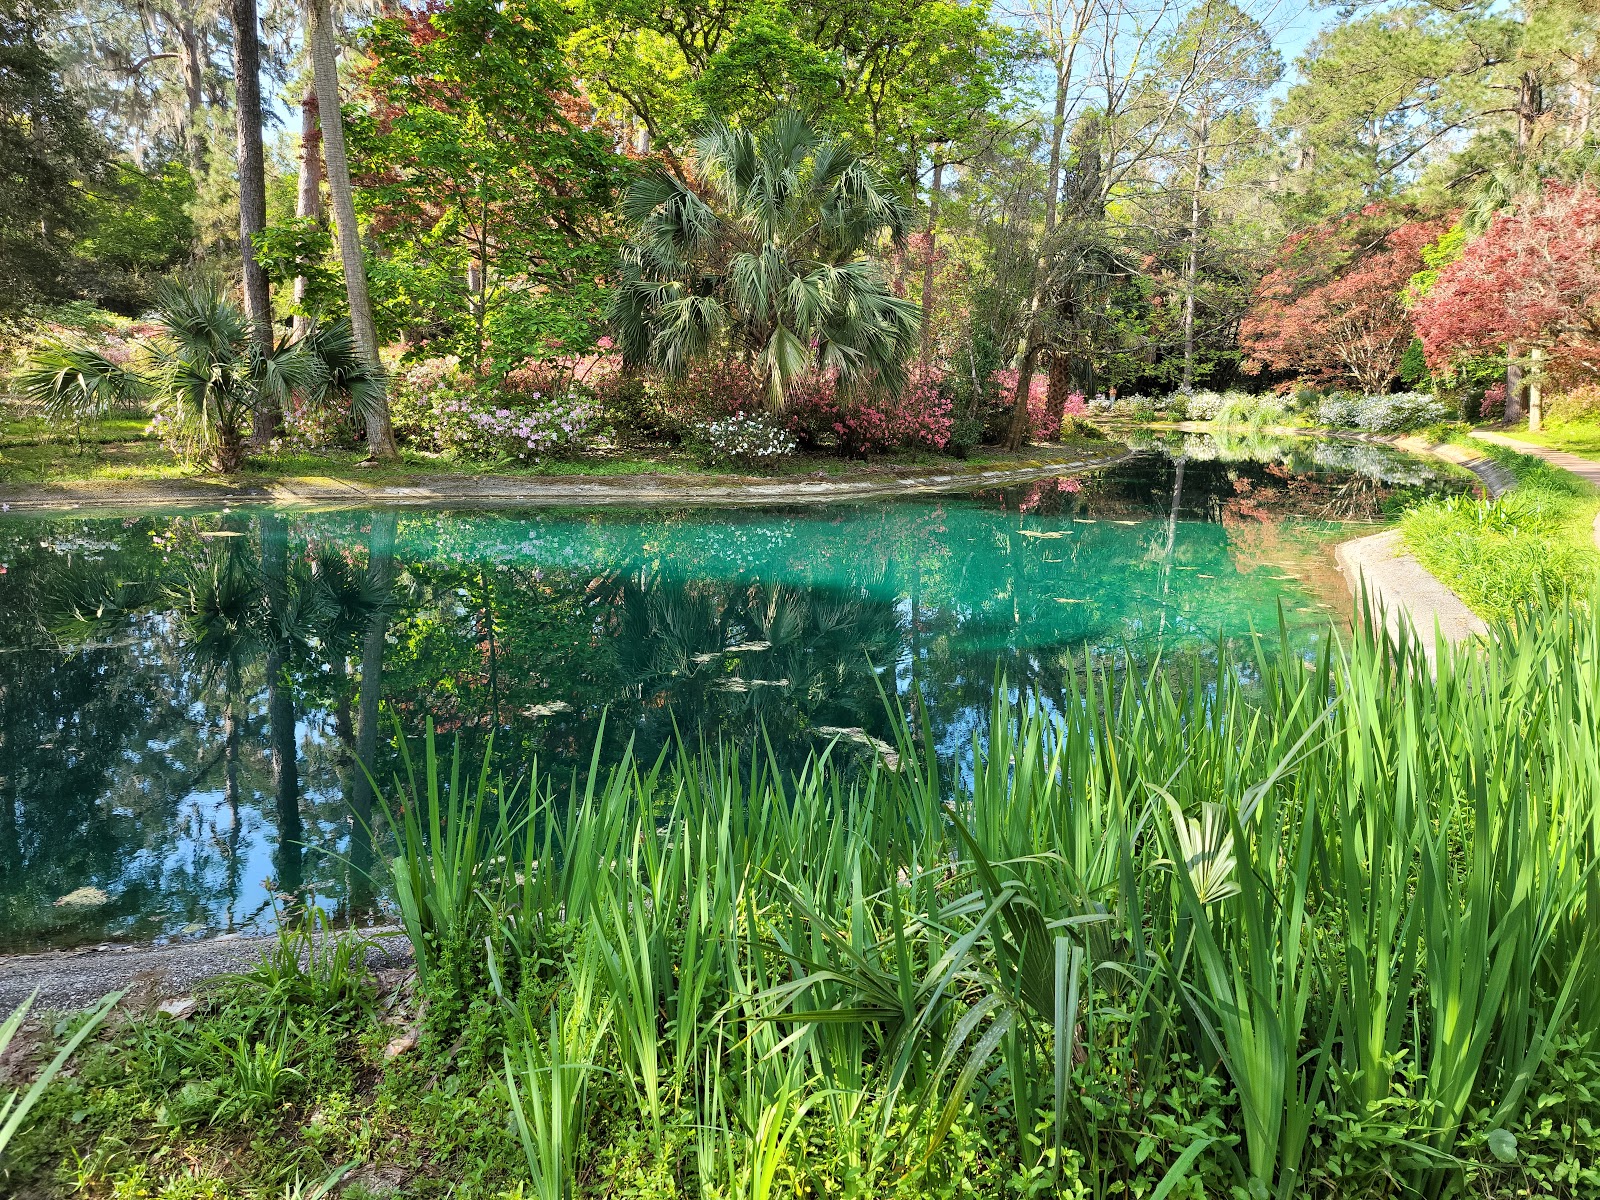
[(1320, 929), (117, 450), (1497, 554)]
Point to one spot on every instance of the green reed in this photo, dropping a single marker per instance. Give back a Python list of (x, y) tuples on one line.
[(1356, 889)]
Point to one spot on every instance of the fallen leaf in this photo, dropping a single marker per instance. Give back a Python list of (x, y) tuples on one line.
[(179, 1008)]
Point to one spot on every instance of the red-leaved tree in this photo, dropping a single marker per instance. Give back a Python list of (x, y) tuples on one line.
[(1531, 279), (1332, 307)]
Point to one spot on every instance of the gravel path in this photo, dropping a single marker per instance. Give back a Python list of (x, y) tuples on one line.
[(73, 979)]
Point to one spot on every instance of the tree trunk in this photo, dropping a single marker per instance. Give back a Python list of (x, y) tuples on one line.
[(1017, 430), (193, 72), (252, 191), (1535, 391), (1058, 132), (1514, 411), (308, 202), (1191, 269), (1530, 107), (325, 70), (380, 581), (1060, 386), (927, 267)]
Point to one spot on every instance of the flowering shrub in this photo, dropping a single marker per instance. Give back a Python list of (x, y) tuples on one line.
[(1044, 422), (748, 438), (536, 427), (1203, 406), (317, 424), (1383, 414), (1493, 407), (874, 422), (438, 406), (418, 395)]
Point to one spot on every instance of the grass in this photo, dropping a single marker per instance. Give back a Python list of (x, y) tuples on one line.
[(1580, 437), (1499, 554), (116, 449), (1293, 927)]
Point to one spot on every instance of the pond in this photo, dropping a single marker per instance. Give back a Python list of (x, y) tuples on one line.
[(183, 696)]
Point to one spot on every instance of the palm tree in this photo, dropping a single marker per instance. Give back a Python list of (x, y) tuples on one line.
[(204, 372), (766, 254)]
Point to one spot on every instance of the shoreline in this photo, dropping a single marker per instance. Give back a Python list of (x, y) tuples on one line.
[(494, 491)]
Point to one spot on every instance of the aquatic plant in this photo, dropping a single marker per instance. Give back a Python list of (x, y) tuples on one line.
[(1308, 896)]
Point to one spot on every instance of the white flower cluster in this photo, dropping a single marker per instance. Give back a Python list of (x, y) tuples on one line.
[(1382, 414), (747, 438)]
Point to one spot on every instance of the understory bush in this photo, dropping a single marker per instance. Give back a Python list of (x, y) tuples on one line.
[(437, 406), (872, 420), (1395, 413), (746, 439)]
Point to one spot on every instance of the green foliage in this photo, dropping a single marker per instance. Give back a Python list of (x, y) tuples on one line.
[(486, 192), (770, 265), (18, 1103), (1498, 555), (137, 231), (47, 151), (302, 247)]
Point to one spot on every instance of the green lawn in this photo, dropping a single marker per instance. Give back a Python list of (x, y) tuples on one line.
[(32, 451), (1500, 554), (1575, 437)]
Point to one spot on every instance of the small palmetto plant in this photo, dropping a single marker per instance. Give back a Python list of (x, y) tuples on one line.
[(203, 373)]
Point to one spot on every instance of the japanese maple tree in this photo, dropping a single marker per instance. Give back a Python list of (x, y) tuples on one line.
[(1332, 305), (1532, 278)]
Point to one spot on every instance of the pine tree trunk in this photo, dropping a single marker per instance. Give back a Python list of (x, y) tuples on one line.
[(927, 267), (325, 70), (308, 201), (252, 191), (1191, 270)]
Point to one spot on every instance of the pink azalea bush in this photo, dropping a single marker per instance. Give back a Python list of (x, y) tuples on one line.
[(1044, 422), (876, 421)]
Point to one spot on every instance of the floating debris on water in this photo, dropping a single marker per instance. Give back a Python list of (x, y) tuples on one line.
[(84, 897), (548, 709)]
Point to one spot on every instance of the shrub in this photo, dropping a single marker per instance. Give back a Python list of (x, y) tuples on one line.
[(1575, 404), (749, 439), (1384, 414), (1493, 406), (1251, 411), (418, 395), (437, 406), (876, 421), (1203, 406), (532, 427)]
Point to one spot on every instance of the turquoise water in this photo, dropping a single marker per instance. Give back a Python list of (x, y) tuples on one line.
[(181, 696)]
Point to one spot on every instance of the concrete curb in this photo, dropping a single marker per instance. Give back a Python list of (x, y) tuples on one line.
[(1403, 590)]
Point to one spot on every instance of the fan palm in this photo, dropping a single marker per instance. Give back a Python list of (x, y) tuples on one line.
[(766, 254), (203, 373)]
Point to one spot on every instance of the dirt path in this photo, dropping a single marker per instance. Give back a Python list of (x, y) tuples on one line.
[(441, 491)]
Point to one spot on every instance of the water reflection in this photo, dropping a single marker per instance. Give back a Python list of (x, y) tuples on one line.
[(187, 702)]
